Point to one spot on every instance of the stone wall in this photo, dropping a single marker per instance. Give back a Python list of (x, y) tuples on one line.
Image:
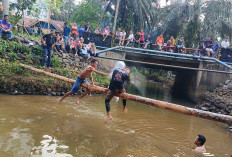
[(97, 39), (218, 100), (226, 55)]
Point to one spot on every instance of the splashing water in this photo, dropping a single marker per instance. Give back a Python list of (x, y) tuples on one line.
[(49, 148)]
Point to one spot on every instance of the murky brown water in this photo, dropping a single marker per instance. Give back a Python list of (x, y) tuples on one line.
[(36, 126)]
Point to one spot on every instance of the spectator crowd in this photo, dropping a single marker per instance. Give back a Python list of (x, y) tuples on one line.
[(72, 40)]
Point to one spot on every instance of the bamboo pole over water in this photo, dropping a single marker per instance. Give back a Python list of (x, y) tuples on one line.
[(156, 103)]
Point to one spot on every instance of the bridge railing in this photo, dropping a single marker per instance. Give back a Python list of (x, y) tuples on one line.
[(164, 54)]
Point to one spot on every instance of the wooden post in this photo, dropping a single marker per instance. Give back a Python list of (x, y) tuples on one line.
[(156, 103)]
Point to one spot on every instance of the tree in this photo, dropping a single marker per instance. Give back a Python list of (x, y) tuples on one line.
[(195, 19), (5, 4), (67, 7), (22, 7), (90, 11), (133, 14), (116, 15)]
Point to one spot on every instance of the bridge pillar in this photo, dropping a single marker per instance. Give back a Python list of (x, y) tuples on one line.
[(192, 84)]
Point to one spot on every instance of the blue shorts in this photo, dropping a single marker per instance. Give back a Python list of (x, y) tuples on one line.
[(77, 84)]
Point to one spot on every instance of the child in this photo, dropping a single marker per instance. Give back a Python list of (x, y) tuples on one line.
[(87, 72), (123, 37), (58, 45), (106, 32), (130, 39), (84, 52), (196, 53), (147, 41)]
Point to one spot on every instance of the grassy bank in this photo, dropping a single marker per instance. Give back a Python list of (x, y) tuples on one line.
[(15, 78)]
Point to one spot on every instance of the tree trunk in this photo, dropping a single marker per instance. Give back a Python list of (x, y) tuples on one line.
[(69, 9), (151, 102), (5, 4), (116, 15)]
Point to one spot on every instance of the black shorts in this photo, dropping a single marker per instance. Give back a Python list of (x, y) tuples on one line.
[(115, 85), (116, 41)]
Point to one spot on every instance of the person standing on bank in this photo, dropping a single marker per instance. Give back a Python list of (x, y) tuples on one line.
[(66, 34), (48, 41), (117, 86)]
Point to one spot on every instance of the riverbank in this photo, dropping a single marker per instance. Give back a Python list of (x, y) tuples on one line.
[(16, 80), (218, 100)]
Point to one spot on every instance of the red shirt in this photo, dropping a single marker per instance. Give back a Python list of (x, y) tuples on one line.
[(142, 36)]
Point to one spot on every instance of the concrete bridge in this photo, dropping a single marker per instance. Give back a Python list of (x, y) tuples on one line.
[(194, 74)]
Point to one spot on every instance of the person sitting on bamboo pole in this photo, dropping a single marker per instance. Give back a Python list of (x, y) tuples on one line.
[(87, 72), (117, 86)]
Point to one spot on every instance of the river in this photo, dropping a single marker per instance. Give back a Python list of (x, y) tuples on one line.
[(35, 126)]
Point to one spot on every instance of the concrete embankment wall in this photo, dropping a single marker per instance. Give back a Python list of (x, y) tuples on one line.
[(107, 64)]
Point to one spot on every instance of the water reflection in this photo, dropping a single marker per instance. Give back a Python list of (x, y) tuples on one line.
[(157, 91), (17, 142), (151, 90)]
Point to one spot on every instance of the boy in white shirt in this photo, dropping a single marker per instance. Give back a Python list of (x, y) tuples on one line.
[(123, 37), (130, 39), (225, 44)]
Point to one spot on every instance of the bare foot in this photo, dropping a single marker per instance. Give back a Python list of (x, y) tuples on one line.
[(59, 102), (78, 101), (109, 118), (125, 110), (44, 67)]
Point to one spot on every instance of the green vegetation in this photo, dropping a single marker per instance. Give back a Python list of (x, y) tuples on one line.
[(11, 68), (49, 80), (101, 79), (91, 11), (14, 47), (134, 72), (55, 63), (25, 35)]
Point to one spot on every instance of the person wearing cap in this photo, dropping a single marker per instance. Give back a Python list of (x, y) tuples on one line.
[(48, 42)]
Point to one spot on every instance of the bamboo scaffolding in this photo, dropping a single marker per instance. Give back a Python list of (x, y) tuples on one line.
[(159, 104)]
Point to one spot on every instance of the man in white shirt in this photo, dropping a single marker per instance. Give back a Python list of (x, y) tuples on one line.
[(130, 39), (225, 44)]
